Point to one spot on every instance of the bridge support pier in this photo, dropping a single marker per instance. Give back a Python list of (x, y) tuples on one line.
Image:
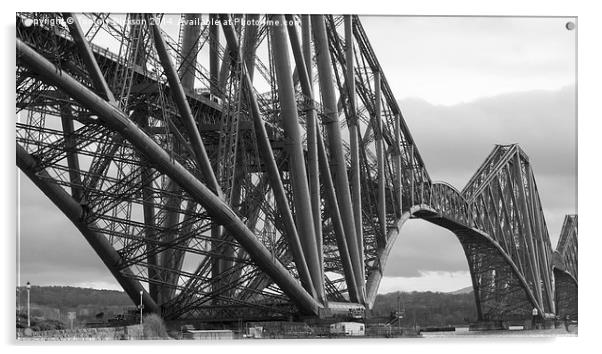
[(566, 295), (337, 156), (293, 143)]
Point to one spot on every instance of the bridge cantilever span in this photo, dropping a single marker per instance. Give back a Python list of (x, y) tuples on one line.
[(234, 193)]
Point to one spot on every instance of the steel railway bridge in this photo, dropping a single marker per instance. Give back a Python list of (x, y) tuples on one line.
[(259, 167)]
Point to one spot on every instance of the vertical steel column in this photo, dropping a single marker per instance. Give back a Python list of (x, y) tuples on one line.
[(306, 39), (190, 44), (230, 54), (337, 155), (71, 152), (380, 158), (353, 137), (311, 127), (267, 155), (213, 54), (337, 222), (293, 143), (141, 115), (249, 43), (137, 37), (186, 75), (148, 211), (224, 69), (73, 210), (170, 225), (248, 56), (301, 57)]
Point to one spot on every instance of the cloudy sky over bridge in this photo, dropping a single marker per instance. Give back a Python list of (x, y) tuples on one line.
[(464, 84)]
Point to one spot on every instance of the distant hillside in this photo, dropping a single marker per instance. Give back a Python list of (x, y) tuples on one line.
[(425, 308), (466, 290), (50, 305), (63, 297), (428, 308)]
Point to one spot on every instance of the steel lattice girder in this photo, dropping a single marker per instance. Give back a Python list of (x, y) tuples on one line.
[(509, 256)]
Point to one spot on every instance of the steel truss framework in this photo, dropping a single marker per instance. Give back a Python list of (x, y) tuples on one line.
[(259, 168)]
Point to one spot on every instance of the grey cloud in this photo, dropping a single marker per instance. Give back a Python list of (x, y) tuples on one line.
[(447, 59), (454, 141), (504, 44)]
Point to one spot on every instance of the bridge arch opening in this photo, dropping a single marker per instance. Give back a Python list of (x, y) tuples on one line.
[(500, 292), (427, 278), (426, 257)]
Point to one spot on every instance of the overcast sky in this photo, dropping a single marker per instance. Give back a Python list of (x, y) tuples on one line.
[(464, 84)]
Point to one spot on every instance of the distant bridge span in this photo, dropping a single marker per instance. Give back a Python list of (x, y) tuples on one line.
[(273, 183)]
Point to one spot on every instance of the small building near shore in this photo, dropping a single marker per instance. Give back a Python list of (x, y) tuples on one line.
[(255, 332), (347, 329), (208, 334)]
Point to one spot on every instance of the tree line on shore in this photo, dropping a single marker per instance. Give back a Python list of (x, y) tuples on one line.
[(426, 308), (423, 308)]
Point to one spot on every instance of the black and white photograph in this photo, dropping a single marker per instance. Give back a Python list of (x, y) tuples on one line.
[(323, 177)]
